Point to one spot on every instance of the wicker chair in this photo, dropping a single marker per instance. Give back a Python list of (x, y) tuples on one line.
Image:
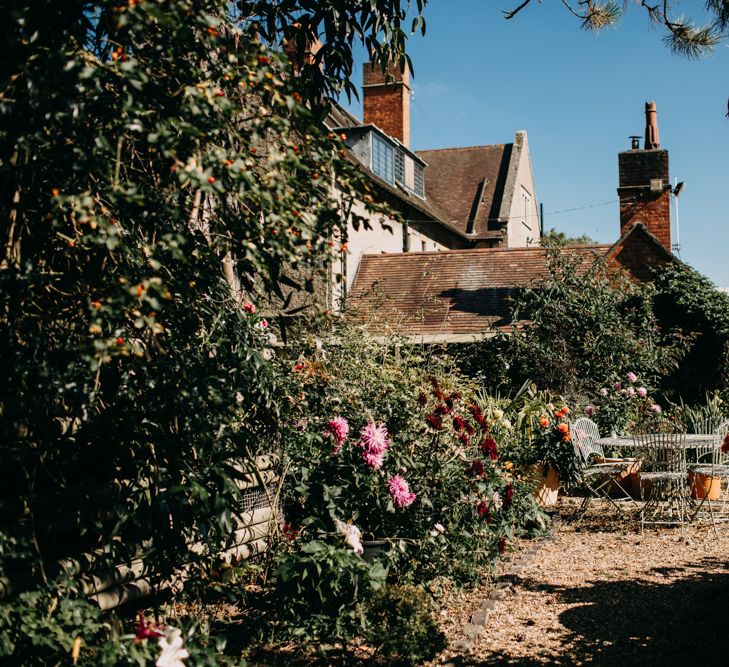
[(664, 479), (597, 474)]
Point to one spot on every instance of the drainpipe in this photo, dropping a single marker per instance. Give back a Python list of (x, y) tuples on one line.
[(406, 236)]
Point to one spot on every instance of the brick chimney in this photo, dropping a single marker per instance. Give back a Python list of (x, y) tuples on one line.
[(387, 100), (644, 188)]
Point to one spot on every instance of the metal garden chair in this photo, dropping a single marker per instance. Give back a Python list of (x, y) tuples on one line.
[(663, 479), (597, 474), (713, 464)]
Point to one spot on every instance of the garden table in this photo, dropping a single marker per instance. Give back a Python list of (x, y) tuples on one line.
[(692, 441), (698, 442)]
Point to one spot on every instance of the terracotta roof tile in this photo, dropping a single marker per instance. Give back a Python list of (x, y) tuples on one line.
[(451, 292), (453, 181)]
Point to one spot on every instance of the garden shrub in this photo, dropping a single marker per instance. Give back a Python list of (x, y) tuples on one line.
[(160, 175), (440, 492), (401, 627), (688, 306), (582, 328), (320, 588)]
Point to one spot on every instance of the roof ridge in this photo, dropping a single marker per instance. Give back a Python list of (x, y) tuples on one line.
[(462, 148), (484, 251)]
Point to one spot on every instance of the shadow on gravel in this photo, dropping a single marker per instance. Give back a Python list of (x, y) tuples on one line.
[(634, 622)]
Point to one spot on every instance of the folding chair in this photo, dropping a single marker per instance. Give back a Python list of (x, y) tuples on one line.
[(597, 474)]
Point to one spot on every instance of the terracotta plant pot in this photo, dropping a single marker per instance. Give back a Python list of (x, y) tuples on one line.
[(703, 486), (546, 487)]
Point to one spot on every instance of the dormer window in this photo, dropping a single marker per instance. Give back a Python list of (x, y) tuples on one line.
[(399, 167), (419, 180), (382, 158), (387, 158)]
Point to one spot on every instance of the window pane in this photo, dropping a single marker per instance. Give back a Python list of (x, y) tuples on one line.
[(399, 167), (419, 180), (382, 158)]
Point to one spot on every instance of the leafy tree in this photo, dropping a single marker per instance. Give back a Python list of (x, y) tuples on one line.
[(688, 306), (160, 172), (580, 329), (554, 238)]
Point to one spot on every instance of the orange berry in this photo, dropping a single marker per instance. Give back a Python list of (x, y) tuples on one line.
[(55, 192), (211, 179), (343, 136)]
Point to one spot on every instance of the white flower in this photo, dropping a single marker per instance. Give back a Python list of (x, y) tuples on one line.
[(498, 414), (173, 650), (506, 424), (352, 535), (496, 500), (267, 353), (438, 528)]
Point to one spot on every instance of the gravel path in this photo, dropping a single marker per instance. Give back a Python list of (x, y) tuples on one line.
[(601, 594)]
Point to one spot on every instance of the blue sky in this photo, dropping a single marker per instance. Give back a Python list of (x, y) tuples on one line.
[(479, 78)]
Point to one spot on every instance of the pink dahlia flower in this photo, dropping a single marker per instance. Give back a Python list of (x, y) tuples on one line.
[(400, 491), (632, 377), (374, 460), (603, 392), (373, 438), (642, 392), (629, 392), (656, 408), (589, 410), (338, 429), (617, 386)]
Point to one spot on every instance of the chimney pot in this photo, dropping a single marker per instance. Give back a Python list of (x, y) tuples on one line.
[(651, 126)]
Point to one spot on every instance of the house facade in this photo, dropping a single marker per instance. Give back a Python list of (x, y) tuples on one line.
[(447, 199), (461, 295)]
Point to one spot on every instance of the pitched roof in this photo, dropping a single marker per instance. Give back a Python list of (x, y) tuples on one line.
[(451, 293), (468, 184)]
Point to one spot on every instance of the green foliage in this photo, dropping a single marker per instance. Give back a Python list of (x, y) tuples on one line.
[(622, 405), (702, 417), (320, 588), (689, 307), (556, 239), (582, 328), (40, 625), (401, 625), (159, 174), (380, 26), (441, 444)]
